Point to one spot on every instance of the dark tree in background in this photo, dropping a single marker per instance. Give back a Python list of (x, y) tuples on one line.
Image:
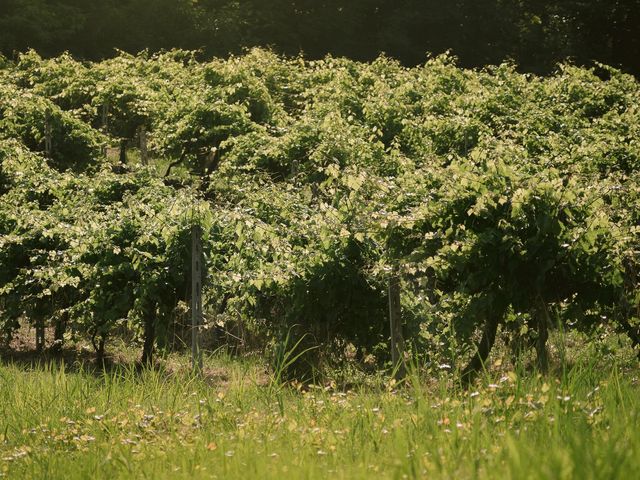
[(536, 34)]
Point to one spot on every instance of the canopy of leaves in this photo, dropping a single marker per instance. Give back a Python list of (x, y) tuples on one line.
[(492, 191)]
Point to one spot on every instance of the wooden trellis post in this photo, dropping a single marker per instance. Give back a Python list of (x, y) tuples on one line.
[(395, 321), (196, 296), (48, 142), (142, 136), (105, 123), (105, 116), (40, 335)]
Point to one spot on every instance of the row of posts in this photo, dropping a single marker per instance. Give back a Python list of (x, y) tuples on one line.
[(395, 314)]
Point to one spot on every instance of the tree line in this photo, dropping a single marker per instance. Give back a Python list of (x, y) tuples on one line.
[(536, 34)]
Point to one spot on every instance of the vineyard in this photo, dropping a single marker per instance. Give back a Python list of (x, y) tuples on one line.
[(503, 209), (507, 204)]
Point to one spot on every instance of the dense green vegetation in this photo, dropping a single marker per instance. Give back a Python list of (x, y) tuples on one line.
[(535, 33), (507, 202), (68, 424)]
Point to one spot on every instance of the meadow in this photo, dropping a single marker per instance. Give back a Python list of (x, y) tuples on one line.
[(237, 421)]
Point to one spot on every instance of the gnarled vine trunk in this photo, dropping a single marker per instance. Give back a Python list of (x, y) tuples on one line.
[(483, 350), (149, 336), (123, 151), (98, 345), (542, 320), (632, 333), (58, 333), (177, 162), (100, 352)]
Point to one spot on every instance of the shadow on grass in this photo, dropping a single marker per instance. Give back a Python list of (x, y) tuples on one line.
[(71, 359), (74, 360)]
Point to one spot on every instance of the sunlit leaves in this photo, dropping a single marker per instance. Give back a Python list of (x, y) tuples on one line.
[(312, 180)]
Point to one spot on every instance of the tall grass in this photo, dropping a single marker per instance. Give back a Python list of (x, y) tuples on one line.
[(62, 423)]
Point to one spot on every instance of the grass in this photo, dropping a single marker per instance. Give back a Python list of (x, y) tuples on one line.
[(67, 423)]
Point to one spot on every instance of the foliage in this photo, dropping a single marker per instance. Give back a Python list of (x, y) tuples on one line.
[(506, 200)]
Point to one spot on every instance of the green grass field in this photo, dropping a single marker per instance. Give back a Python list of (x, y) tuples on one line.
[(237, 422)]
